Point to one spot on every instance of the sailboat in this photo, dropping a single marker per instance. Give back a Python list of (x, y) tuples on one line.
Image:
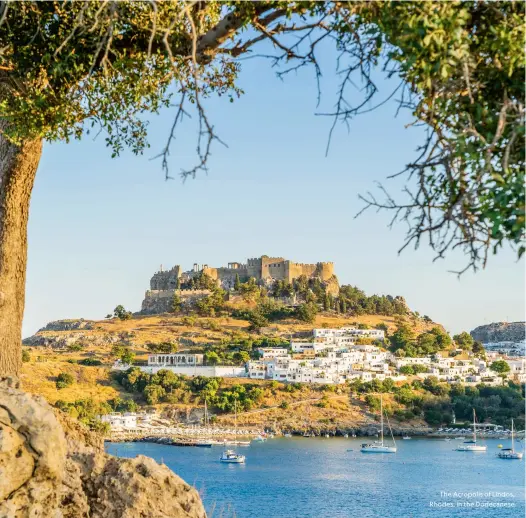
[(510, 453), (230, 456), (379, 446), (204, 443), (472, 445)]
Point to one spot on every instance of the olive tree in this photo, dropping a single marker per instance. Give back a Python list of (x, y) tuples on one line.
[(72, 68)]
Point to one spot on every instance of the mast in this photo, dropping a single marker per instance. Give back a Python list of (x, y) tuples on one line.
[(381, 421), (474, 427), (206, 415), (512, 446), (235, 416)]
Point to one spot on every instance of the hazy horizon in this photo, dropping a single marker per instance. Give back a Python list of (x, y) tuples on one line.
[(100, 227)]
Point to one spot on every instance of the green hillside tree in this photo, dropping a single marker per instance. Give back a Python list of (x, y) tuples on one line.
[(71, 68), (501, 367)]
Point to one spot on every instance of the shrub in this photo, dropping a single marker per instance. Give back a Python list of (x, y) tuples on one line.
[(90, 362), (26, 357), (64, 379), (284, 405), (121, 313)]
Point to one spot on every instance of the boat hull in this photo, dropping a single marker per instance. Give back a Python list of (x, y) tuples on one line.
[(471, 448), (510, 455), (233, 461), (378, 449)]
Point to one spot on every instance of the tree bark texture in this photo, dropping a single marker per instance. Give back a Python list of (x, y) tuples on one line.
[(18, 166)]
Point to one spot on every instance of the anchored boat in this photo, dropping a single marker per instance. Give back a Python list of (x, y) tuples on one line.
[(230, 456), (379, 446), (510, 453), (472, 445)]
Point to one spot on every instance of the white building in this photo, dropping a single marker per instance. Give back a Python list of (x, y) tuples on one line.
[(175, 359), (273, 352), (517, 369), (301, 347), (117, 420), (350, 332)]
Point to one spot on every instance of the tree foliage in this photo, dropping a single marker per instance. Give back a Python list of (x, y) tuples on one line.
[(69, 68)]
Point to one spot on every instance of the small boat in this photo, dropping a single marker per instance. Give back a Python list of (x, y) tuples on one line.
[(447, 439), (203, 444), (346, 435), (327, 435), (287, 435), (353, 435), (231, 457), (260, 438), (510, 453), (406, 438), (472, 445), (307, 434), (379, 446), (499, 446)]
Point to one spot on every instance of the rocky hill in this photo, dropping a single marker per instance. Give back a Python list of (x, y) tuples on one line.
[(500, 332)]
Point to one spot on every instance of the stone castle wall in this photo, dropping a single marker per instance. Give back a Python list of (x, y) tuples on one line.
[(160, 301), (165, 280), (264, 268)]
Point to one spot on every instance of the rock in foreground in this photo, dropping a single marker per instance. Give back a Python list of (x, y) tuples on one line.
[(59, 470)]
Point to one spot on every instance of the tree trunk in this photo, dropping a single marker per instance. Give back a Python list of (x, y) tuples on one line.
[(18, 166)]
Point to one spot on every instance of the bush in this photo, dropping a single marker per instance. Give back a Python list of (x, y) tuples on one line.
[(284, 405), (75, 347), (90, 362), (163, 347), (64, 379), (121, 313), (26, 357)]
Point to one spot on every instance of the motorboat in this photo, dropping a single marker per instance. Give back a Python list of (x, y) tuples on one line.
[(231, 457), (379, 446), (406, 438), (260, 438)]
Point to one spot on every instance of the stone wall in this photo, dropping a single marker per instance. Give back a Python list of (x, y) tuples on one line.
[(160, 301), (165, 280)]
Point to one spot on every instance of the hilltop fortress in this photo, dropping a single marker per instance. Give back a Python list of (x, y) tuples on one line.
[(265, 270)]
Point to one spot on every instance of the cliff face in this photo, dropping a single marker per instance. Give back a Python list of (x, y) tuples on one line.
[(500, 332), (54, 468)]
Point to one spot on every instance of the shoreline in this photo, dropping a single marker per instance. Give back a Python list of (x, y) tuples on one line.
[(198, 436)]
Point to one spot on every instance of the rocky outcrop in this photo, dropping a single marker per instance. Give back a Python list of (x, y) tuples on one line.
[(62, 340), (68, 325), (500, 332), (51, 467)]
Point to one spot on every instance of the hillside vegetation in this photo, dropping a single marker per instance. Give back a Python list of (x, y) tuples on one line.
[(69, 363)]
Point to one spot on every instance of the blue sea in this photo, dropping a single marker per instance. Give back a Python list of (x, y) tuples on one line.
[(321, 478)]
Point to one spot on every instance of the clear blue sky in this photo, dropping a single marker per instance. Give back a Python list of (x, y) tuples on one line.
[(99, 227)]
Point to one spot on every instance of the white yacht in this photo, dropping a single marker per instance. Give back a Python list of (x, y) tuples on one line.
[(406, 438), (510, 453), (259, 438), (472, 445), (230, 456), (379, 446)]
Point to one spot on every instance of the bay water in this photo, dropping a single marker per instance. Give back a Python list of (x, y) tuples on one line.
[(331, 478)]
